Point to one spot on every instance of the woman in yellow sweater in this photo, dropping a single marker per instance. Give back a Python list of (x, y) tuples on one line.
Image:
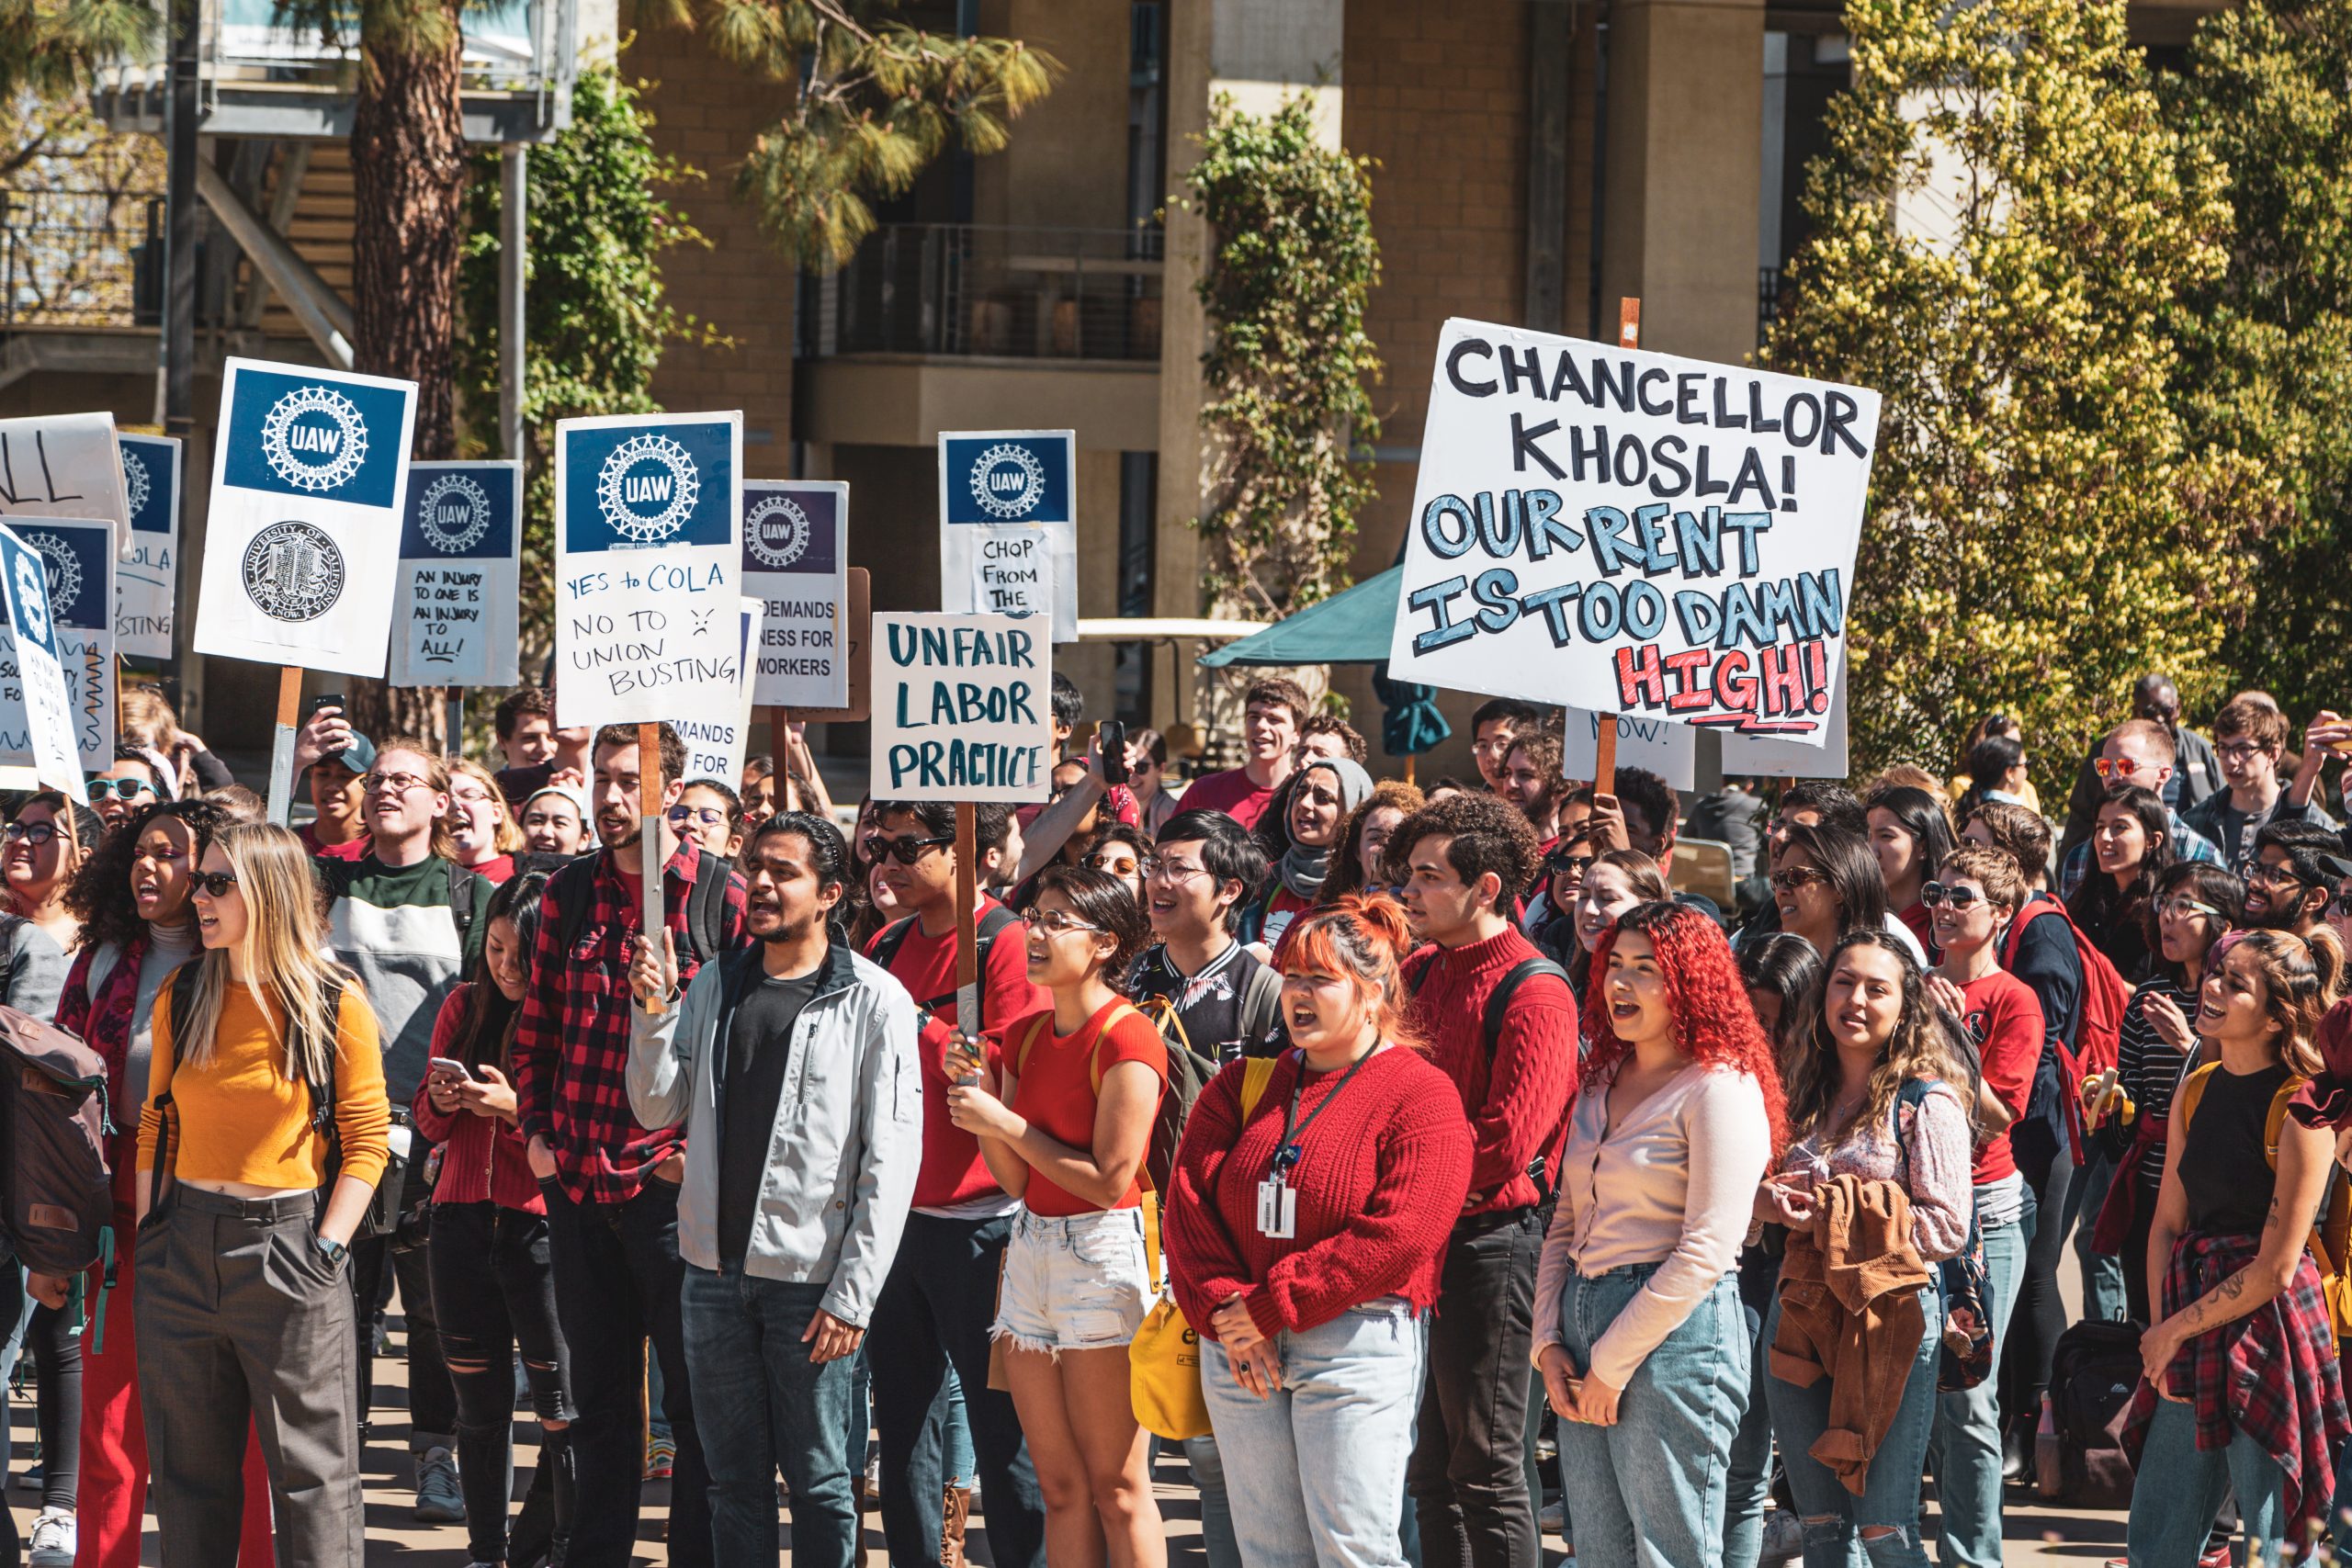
[(247, 1202)]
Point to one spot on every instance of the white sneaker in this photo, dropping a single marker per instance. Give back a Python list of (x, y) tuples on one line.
[(54, 1539)]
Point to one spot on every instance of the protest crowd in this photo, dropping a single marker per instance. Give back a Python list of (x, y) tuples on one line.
[(1509, 1190)]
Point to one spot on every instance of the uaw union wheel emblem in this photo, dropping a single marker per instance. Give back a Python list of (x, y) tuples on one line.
[(64, 573), (32, 608), (648, 489), (778, 531), (314, 438), (1008, 481), (455, 513), (135, 481), (293, 571)]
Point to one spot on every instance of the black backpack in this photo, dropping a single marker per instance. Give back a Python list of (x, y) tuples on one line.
[(993, 922), (1490, 1024), (2093, 1372), (572, 887)]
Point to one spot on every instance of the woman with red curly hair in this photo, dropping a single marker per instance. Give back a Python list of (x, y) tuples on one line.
[(1314, 1195), (1639, 1330)]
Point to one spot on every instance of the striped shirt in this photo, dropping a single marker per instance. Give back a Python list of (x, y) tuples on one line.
[(2149, 1069)]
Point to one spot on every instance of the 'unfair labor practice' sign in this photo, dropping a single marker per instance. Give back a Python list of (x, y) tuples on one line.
[(990, 479), (63, 465), (455, 618), (301, 543), (795, 557), (147, 586), (1633, 533), (963, 708), (42, 711), (648, 569)]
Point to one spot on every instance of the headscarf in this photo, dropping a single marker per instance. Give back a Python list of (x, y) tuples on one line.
[(1302, 867)]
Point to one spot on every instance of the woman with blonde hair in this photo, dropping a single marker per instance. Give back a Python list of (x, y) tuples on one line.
[(150, 726), (260, 1148), (480, 832)]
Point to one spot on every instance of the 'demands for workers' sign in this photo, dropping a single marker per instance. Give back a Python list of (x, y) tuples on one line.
[(962, 707), (1633, 532)]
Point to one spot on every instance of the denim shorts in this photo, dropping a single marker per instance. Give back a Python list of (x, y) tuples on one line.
[(1079, 1282)]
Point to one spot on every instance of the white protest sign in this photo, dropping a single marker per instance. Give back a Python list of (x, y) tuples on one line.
[(63, 465), (38, 708), (1013, 572), (1669, 750), (1767, 756), (78, 566), (716, 747), (147, 587), (989, 479), (301, 543), (1633, 532), (648, 569), (795, 557), (456, 615), (963, 708)]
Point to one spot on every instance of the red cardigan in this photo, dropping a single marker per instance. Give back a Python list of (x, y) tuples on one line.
[(483, 1159), (1386, 1169)]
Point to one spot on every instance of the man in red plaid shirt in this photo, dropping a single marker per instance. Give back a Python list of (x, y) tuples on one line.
[(611, 1185)]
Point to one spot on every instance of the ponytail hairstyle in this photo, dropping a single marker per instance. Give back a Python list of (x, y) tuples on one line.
[(283, 949), (2299, 979), (1363, 939), (488, 1023), (1713, 1023)]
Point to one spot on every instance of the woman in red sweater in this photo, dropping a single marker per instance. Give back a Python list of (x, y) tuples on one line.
[(1305, 1235)]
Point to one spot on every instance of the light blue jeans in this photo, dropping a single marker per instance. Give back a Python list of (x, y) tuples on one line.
[(1833, 1517), (1749, 1482), (1650, 1490), (1314, 1475), (1965, 1447), (2180, 1489), (1216, 1511)]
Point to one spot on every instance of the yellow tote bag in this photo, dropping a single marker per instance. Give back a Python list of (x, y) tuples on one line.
[(1164, 1357)]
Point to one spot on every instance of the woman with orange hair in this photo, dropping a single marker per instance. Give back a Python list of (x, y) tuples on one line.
[(1639, 1330), (1310, 1212)]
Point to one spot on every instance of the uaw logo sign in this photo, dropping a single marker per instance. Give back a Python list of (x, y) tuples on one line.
[(32, 608), (293, 571), (64, 572), (778, 532), (454, 514), (136, 482), (647, 489), (314, 438), (1008, 481)]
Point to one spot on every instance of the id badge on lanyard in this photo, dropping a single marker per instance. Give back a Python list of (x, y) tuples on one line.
[(1277, 1210)]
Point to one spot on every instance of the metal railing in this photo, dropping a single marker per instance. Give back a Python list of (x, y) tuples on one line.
[(80, 259), (980, 290)]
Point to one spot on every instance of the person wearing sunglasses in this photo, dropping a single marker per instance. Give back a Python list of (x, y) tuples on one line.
[(2250, 736), (2288, 884), (126, 786), (2138, 752), (1827, 882), (708, 813), (46, 844), (1119, 851)]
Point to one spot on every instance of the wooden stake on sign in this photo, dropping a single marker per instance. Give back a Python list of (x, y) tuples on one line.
[(281, 746), (968, 932), (455, 718), (1604, 740), (779, 735), (649, 839)]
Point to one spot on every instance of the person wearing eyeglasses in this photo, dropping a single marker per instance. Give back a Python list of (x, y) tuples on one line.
[(934, 1312), (47, 843), (480, 832), (2249, 735), (1551, 921), (1210, 989), (126, 786), (408, 922), (2138, 752), (1827, 882), (2290, 883), (1119, 851), (1974, 892), (708, 813)]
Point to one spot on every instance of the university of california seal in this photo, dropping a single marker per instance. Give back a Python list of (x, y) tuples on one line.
[(293, 571)]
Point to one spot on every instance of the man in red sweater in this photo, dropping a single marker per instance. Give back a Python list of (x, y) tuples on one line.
[(936, 1304), (1271, 711), (1468, 855)]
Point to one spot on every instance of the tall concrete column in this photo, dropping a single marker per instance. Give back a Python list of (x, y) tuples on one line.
[(1686, 104), (1255, 51)]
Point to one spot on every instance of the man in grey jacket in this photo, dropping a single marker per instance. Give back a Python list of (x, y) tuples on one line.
[(792, 1065)]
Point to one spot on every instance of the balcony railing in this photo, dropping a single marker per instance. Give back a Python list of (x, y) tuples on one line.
[(967, 289), (74, 259)]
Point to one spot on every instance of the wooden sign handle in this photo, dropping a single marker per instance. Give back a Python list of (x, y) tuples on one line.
[(281, 748), (967, 934), (1604, 739), (649, 838), (779, 744)]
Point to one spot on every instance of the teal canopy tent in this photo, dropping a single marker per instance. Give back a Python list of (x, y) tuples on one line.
[(1351, 627)]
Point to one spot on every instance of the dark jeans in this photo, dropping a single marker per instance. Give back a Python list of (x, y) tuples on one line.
[(765, 1406), (934, 1311), (431, 1403), (1468, 1475), (55, 1342), (493, 1290), (616, 1281), (2040, 1316)]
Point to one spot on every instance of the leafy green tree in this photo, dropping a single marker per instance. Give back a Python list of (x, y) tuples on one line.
[(2004, 225), (876, 101), (48, 48), (2267, 345)]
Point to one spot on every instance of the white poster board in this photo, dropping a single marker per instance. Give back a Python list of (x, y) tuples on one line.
[(1013, 572), (648, 569), (455, 620), (716, 747), (1669, 750), (63, 465), (1766, 756), (990, 479), (147, 586), (963, 708), (35, 703), (301, 543), (796, 558), (1633, 533)]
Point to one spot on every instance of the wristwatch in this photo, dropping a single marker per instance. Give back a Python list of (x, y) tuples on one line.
[(335, 1252)]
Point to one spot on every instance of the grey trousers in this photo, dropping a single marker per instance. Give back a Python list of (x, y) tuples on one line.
[(240, 1317)]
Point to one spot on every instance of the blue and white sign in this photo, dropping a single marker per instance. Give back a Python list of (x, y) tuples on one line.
[(147, 587), (301, 543), (648, 569), (79, 569), (63, 465), (455, 618), (991, 481), (795, 559), (37, 715), (715, 748)]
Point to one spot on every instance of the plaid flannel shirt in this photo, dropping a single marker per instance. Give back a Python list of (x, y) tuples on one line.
[(2271, 1374), (571, 1049)]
